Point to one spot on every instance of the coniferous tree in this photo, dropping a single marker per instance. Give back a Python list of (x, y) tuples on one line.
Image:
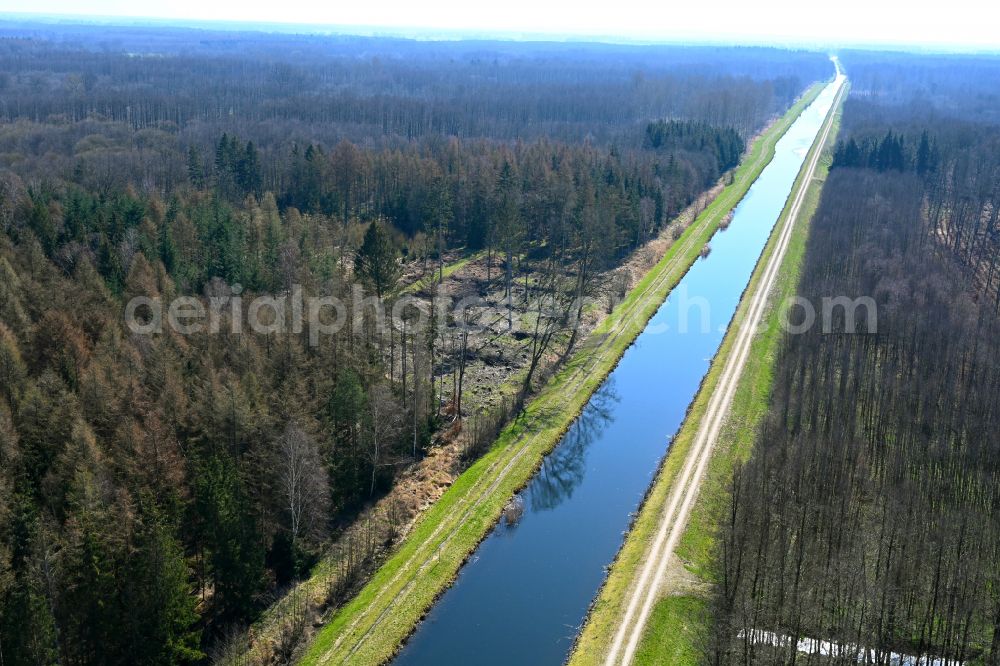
[(195, 168), (376, 261), (229, 533)]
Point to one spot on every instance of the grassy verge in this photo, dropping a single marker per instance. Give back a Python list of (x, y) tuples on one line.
[(678, 623), (675, 628), (370, 628)]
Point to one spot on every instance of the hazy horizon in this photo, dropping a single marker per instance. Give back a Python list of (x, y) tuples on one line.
[(775, 23)]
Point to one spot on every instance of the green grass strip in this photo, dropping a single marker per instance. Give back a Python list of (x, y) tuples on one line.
[(370, 628), (674, 632)]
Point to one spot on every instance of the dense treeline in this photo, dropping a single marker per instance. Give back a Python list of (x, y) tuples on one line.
[(867, 515), (958, 87), (890, 153), (301, 88), (232, 230), (158, 491), (725, 145)]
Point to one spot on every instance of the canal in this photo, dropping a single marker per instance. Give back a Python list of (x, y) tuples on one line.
[(523, 594)]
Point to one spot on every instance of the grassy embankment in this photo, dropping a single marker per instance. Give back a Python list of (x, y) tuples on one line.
[(679, 622), (370, 628)]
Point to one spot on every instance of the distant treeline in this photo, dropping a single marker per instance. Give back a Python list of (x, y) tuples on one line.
[(322, 89)]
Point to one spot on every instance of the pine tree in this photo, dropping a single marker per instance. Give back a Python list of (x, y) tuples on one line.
[(231, 537), (196, 170), (161, 606), (248, 171), (376, 261), (166, 247), (924, 155), (345, 407)]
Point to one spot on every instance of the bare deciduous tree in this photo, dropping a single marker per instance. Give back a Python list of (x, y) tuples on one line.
[(304, 483), (384, 414)]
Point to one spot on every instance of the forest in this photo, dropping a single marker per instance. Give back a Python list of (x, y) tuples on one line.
[(158, 493), (867, 516)]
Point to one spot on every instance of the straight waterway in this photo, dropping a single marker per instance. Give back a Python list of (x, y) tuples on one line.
[(522, 596)]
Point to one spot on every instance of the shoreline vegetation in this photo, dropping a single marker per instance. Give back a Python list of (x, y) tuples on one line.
[(679, 621), (372, 626)]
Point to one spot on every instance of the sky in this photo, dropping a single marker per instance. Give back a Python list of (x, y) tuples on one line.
[(959, 24)]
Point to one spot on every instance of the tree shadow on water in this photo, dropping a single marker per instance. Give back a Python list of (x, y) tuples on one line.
[(564, 468)]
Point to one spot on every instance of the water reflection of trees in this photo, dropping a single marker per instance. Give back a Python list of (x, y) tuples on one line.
[(564, 468)]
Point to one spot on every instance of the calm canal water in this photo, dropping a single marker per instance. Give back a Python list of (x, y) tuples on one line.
[(524, 593)]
